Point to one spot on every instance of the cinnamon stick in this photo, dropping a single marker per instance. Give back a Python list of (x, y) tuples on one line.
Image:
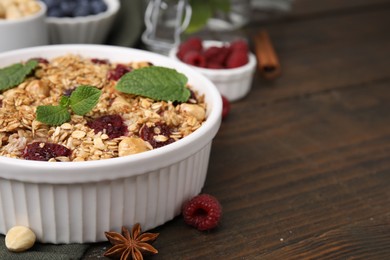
[(267, 59)]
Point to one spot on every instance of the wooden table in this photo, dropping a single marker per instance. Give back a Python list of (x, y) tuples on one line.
[(302, 164)]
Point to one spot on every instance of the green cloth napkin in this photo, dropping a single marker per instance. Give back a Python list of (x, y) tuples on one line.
[(45, 252)]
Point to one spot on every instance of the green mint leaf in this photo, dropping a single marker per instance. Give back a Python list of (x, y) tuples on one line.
[(158, 83), (15, 74), (53, 115), (65, 101), (201, 13), (83, 99), (221, 5)]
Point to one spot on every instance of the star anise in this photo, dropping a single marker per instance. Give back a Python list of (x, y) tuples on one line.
[(130, 245)]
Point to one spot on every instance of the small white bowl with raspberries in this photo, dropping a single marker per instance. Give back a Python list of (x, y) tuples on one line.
[(229, 65)]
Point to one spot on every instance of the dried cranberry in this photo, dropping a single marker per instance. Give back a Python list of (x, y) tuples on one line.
[(148, 134), (193, 99), (112, 125), (68, 92), (99, 61), (41, 60), (38, 151), (118, 72)]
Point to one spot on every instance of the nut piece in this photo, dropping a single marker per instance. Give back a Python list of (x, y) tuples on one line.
[(194, 110), (38, 89), (2, 11), (131, 145), (19, 239)]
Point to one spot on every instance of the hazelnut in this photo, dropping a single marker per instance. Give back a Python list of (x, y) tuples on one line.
[(131, 145), (19, 239), (194, 110)]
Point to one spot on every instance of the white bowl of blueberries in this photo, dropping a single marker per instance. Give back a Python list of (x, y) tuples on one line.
[(80, 21)]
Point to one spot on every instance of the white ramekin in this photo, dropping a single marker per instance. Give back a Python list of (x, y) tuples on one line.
[(77, 201), (25, 32), (234, 83), (87, 29)]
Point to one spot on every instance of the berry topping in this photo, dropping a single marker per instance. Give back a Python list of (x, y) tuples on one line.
[(112, 125), (225, 107), (39, 151), (99, 61), (202, 212), (41, 60), (69, 91), (157, 135), (118, 72)]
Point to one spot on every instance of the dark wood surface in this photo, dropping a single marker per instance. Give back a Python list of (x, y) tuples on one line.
[(302, 165)]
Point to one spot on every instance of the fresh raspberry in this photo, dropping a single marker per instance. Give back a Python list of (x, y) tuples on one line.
[(225, 107), (211, 53), (239, 45), (222, 56), (202, 212), (39, 151), (192, 44), (194, 58), (237, 59), (214, 65), (112, 125)]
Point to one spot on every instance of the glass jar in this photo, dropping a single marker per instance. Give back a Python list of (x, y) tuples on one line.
[(166, 22)]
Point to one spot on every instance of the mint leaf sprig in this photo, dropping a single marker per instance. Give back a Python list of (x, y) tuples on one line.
[(155, 82), (15, 74), (82, 100)]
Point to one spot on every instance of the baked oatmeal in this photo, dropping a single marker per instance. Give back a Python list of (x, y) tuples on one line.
[(118, 125)]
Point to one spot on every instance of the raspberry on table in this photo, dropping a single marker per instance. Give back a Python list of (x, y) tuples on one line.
[(225, 107), (202, 212)]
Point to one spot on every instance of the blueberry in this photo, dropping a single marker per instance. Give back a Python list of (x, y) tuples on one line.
[(98, 6), (74, 8), (82, 10), (52, 3), (68, 7), (55, 12)]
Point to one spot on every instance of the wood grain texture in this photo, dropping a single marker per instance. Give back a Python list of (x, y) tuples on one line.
[(302, 165), (304, 8)]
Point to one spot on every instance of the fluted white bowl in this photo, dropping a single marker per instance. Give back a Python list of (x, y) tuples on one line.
[(86, 29), (25, 32), (77, 201), (233, 83)]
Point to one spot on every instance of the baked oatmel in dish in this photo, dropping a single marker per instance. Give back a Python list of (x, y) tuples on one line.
[(118, 123), (126, 149)]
